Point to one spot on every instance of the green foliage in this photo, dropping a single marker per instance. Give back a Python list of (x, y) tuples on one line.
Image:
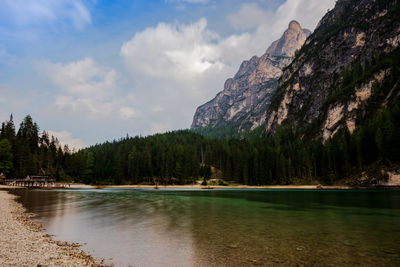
[(229, 131), (358, 74), (205, 171), (220, 132), (171, 158), (296, 53), (30, 153)]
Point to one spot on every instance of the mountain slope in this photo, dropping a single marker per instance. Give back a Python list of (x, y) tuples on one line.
[(346, 71), (245, 97)]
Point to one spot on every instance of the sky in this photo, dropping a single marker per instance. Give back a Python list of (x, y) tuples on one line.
[(89, 71)]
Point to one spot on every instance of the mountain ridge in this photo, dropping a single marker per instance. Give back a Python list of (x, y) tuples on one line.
[(331, 80), (252, 86)]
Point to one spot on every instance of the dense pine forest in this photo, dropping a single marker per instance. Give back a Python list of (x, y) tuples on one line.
[(182, 157), (28, 152)]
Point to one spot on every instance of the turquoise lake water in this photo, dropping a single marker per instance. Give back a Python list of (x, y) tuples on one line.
[(225, 227)]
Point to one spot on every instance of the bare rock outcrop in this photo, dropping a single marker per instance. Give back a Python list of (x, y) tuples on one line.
[(244, 100), (330, 83)]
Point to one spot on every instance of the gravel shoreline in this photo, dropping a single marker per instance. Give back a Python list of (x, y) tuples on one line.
[(23, 242)]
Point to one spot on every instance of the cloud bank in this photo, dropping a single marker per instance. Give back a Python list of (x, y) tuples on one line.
[(174, 68), (89, 90)]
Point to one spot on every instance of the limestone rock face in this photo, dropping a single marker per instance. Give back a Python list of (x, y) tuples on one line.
[(332, 78), (244, 100), (292, 40)]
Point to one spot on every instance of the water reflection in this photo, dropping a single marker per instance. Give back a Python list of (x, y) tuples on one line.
[(225, 228)]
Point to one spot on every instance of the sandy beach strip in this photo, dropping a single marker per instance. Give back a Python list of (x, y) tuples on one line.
[(23, 242), (189, 187)]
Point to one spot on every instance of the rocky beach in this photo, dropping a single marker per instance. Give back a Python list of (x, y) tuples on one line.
[(24, 243)]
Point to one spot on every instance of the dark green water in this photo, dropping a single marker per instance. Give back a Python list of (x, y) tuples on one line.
[(225, 227)]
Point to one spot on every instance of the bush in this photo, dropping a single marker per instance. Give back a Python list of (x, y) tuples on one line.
[(220, 182)]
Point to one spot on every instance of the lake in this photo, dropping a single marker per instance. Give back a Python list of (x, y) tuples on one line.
[(225, 227)]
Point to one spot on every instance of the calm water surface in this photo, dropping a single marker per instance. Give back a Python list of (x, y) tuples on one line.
[(225, 227)]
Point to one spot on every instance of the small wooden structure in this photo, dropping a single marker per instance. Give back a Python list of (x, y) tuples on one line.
[(32, 181)]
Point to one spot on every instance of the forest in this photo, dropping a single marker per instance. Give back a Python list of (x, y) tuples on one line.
[(182, 157)]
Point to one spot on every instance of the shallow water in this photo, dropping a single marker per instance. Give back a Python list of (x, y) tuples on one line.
[(225, 227)]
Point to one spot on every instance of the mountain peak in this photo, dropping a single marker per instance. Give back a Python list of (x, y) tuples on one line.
[(245, 97), (294, 25), (291, 40)]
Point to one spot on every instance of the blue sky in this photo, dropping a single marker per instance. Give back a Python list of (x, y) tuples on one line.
[(94, 70)]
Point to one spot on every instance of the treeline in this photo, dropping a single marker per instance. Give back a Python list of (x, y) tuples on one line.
[(171, 158), (27, 152), (286, 157), (183, 157)]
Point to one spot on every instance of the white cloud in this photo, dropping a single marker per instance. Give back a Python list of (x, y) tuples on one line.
[(66, 138), (88, 89), (175, 68), (249, 16), (127, 113), (157, 108), (307, 12), (28, 12), (172, 51), (264, 26), (82, 77), (159, 128)]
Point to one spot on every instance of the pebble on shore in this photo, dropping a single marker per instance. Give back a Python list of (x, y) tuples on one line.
[(23, 242)]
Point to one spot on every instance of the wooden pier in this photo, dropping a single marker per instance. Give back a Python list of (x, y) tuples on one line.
[(31, 181)]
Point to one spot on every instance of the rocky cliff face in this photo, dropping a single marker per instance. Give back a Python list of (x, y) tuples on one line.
[(342, 71), (245, 98)]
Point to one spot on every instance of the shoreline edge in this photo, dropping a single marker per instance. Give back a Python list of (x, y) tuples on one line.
[(24, 242)]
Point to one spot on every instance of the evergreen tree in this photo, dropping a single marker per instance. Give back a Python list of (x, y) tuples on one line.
[(6, 156)]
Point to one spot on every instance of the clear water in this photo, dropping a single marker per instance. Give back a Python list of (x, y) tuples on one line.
[(225, 227)]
